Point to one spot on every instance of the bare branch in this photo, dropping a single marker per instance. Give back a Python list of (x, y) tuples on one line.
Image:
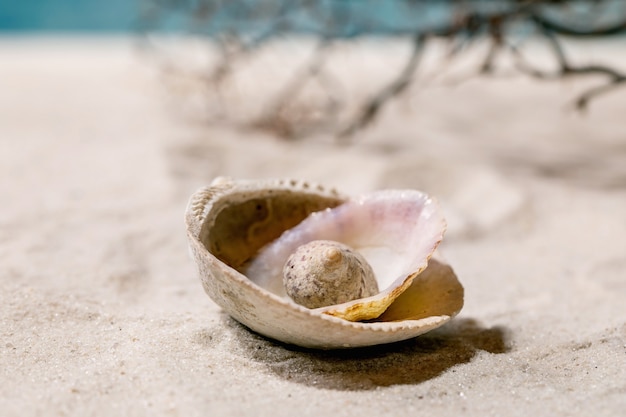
[(553, 26), (566, 69), (274, 117), (583, 100), (397, 86), (463, 24)]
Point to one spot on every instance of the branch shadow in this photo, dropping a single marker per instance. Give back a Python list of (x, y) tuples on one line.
[(409, 362)]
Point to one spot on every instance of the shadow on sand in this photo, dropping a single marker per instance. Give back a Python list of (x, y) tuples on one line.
[(408, 362)]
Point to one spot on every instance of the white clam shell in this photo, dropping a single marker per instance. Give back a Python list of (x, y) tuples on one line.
[(229, 222)]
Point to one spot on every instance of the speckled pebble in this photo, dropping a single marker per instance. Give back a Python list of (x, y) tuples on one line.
[(323, 273)]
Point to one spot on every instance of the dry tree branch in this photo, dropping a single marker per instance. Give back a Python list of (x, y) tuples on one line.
[(274, 117), (245, 48), (496, 37), (566, 69), (555, 27), (397, 86), (583, 100), (464, 24)]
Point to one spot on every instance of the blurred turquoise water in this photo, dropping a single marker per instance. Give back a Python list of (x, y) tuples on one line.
[(346, 17), (68, 15), (130, 15)]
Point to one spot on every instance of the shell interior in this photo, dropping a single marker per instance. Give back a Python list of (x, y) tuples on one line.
[(248, 222), (395, 230)]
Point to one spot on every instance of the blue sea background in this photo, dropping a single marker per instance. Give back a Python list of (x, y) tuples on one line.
[(359, 16), (68, 15), (76, 16)]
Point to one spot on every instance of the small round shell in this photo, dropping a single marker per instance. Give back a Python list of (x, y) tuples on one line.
[(230, 222), (322, 273)]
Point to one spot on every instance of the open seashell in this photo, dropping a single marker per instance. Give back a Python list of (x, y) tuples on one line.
[(243, 233)]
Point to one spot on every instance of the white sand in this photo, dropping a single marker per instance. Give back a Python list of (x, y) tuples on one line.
[(101, 311)]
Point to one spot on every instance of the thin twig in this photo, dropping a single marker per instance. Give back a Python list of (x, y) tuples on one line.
[(566, 69), (555, 27), (397, 86), (313, 68)]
